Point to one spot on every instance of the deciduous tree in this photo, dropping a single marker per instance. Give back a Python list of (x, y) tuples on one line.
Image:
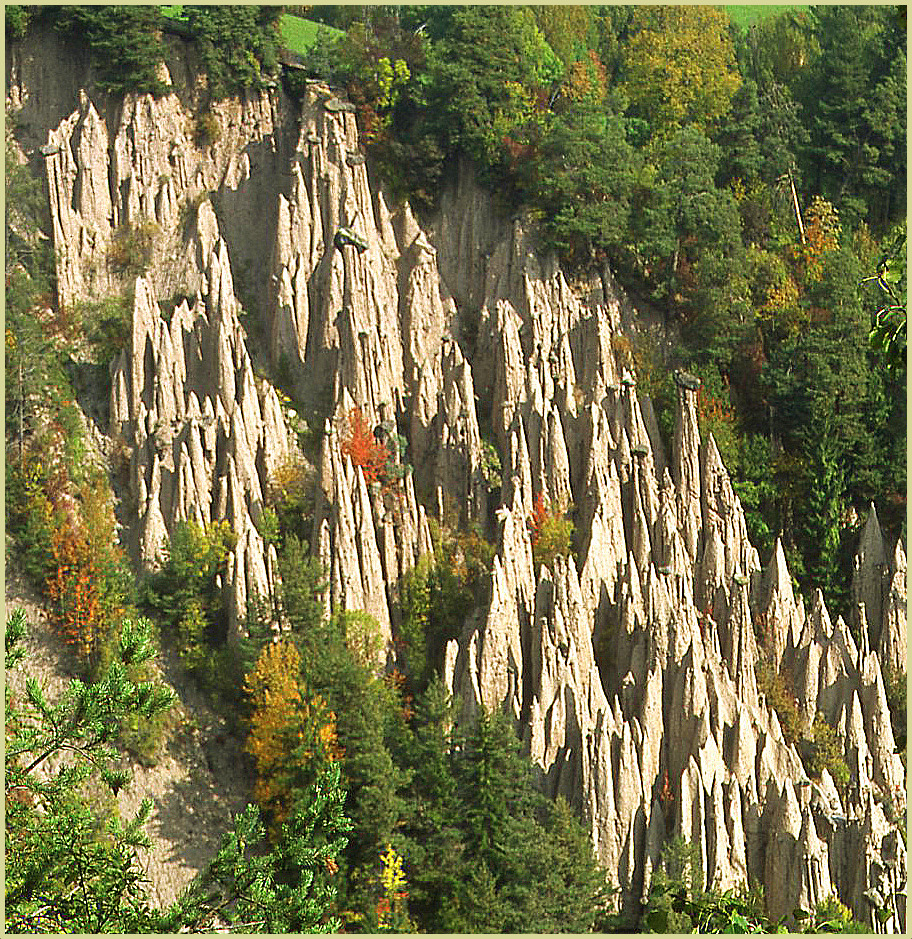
[(292, 733), (679, 67)]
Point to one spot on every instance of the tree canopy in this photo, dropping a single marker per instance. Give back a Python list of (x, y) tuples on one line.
[(679, 67)]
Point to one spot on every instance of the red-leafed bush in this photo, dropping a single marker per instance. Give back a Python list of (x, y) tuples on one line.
[(363, 448), (74, 587), (551, 532)]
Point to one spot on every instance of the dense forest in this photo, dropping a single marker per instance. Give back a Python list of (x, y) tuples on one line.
[(745, 183)]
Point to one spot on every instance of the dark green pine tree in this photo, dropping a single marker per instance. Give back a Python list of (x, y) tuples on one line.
[(432, 839), (582, 182), (823, 520), (781, 134), (826, 397), (737, 136), (285, 886), (366, 718), (683, 215), (124, 41), (856, 112), (531, 865), (238, 45), (484, 56), (68, 870), (560, 887), (834, 368)]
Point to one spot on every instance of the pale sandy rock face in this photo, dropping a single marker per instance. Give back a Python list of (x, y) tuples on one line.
[(194, 463), (892, 651), (686, 470), (870, 573), (630, 667), (879, 586), (782, 613)]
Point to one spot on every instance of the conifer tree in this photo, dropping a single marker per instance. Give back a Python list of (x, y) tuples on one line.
[(432, 823), (823, 521), (282, 885), (66, 869), (508, 835)]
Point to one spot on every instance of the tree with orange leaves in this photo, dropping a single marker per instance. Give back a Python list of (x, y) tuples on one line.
[(74, 587), (292, 733), (821, 235)]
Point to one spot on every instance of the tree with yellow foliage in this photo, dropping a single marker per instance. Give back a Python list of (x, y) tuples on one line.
[(292, 734), (391, 911), (679, 67)]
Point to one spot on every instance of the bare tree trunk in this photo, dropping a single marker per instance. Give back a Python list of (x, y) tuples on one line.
[(797, 209)]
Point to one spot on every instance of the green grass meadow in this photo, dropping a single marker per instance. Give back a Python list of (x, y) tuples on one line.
[(298, 34), (746, 14)]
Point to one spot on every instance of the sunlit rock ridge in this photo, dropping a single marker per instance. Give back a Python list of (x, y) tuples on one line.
[(629, 670)]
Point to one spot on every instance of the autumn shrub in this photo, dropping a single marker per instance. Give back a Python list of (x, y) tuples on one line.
[(437, 595), (896, 690), (822, 231), (207, 130), (491, 470), (551, 532), (716, 416), (391, 912), (183, 594), (73, 586), (363, 448), (774, 686), (290, 494), (29, 520), (106, 325), (65, 541)]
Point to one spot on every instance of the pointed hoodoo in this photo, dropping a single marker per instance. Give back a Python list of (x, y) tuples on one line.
[(780, 611), (686, 461), (892, 649), (870, 579)]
